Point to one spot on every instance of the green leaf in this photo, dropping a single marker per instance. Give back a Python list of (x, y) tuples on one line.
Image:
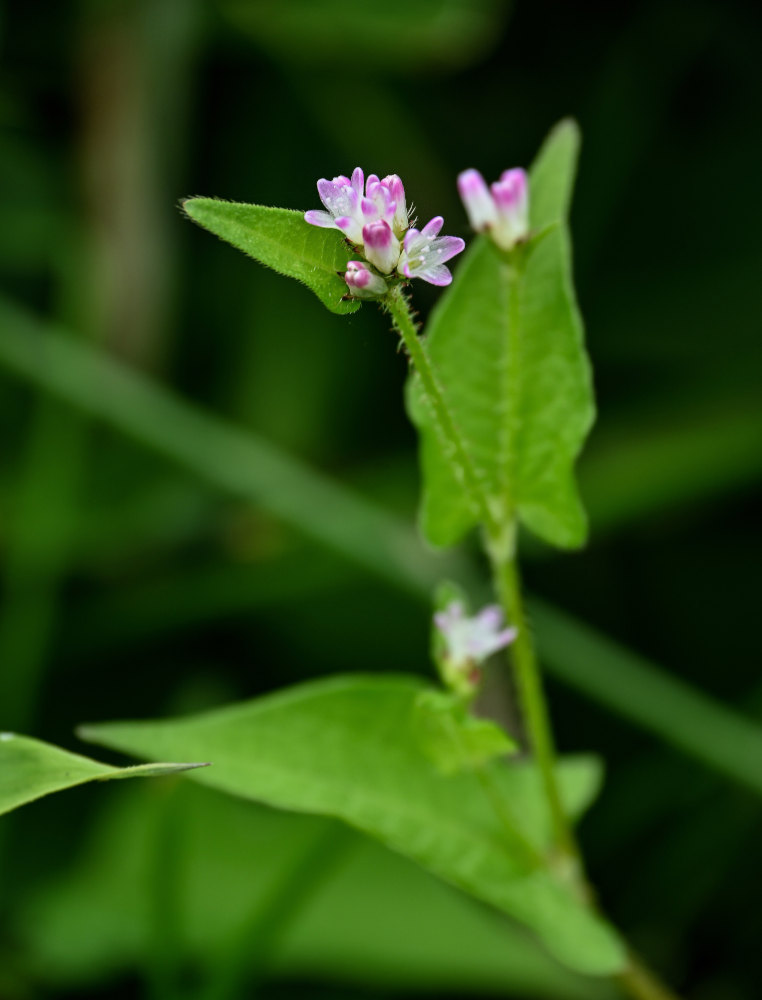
[(30, 769), (282, 240), (453, 739), (507, 348), (347, 748)]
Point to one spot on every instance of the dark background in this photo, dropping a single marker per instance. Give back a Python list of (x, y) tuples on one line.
[(132, 589)]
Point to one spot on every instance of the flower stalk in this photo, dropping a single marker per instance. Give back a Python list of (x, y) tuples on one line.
[(399, 308), (374, 219), (535, 712)]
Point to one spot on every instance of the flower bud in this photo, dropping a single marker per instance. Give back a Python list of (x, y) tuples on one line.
[(511, 196), (364, 283), (382, 248), (397, 191), (502, 209), (477, 201)]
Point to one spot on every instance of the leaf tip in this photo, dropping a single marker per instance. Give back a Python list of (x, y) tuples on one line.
[(566, 130), (87, 732), (187, 206)]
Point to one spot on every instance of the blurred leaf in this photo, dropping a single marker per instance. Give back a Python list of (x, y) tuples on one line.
[(30, 769), (347, 748), (454, 740), (282, 240), (506, 343), (397, 34), (380, 921)]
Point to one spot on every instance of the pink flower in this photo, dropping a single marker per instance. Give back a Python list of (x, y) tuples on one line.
[(471, 640), (502, 209), (467, 643), (425, 252), (353, 204), (373, 216)]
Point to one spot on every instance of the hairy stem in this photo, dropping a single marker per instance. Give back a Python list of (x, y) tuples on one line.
[(452, 441), (636, 980)]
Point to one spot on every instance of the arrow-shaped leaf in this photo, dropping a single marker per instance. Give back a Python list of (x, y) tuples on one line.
[(30, 769), (282, 240)]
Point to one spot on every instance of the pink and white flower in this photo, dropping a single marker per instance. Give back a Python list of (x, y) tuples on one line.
[(382, 248), (502, 209), (469, 641), (363, 282), (373, 216), (352, 204), (424, 253)]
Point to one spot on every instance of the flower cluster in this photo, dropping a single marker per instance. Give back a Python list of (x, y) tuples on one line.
[(468, 642), (502, 209), (373, 216)]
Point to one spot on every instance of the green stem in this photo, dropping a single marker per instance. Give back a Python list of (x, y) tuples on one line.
[(534, 707), (399, 308), (506, 576), (642, 984), (637, 980)]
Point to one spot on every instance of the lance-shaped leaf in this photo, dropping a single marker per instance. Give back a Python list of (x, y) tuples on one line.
[(506, 345), (30, 769), (348, 748), (282, 240)]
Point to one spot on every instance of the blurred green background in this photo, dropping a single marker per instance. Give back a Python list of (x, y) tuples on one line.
[(136, 582)]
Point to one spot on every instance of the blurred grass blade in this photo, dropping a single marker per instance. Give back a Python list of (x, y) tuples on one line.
[(30, 769), (244, 465), (281, 239), (685, 455), (236, 461), (629, 685), (348, 747), (438, 34), (380, 923)]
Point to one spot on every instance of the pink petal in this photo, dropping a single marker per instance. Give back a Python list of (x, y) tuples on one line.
[(432, 228), (338, 198), (357, 181), (477, 200), (368, 208), (446, 247), (410, 236), (436, 275), (490, 617), (317, 218)]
